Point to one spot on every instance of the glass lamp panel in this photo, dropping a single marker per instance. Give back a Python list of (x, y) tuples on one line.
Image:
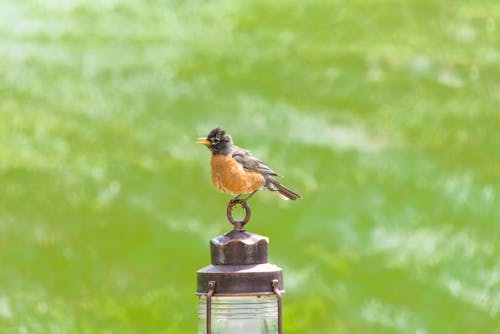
[(249, 315)]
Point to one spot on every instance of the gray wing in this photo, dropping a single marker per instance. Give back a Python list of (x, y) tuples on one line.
[(245, 158)]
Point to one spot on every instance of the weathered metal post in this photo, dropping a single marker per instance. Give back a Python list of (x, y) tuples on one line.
[(240, 292)]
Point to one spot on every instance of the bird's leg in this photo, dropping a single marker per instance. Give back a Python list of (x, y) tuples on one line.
[(251, 194)]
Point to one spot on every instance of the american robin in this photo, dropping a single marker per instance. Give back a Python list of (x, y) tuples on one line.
[(235, 171)]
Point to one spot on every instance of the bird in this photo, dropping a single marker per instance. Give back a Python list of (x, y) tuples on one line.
[(235, 171)]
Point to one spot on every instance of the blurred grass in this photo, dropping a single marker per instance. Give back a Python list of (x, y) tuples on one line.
[(383, 114)]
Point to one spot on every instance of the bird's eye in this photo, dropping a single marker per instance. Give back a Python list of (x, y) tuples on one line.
[(216, 140)]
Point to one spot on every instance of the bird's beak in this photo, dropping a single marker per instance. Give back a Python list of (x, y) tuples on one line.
[(203, 141)]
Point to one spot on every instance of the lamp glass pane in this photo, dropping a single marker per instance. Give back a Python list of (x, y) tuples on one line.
[(249, 315)]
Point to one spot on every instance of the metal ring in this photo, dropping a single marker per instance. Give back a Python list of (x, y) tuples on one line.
[(238, 224)]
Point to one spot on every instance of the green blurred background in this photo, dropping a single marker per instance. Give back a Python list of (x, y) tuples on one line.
[(384, 115)]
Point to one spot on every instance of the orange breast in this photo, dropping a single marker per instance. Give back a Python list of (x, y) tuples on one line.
[(229, 176)]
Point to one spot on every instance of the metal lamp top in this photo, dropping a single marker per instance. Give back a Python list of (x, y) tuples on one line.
[(240, 261)]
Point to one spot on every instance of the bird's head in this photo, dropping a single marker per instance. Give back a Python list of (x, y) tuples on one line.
[(217, 141)]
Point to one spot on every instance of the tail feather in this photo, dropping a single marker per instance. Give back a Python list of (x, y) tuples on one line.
[(282, 191)]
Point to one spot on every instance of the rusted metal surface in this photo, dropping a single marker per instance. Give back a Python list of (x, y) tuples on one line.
[(240, 280), (238, 225), (278, 292), (239, 248), (210, 292)]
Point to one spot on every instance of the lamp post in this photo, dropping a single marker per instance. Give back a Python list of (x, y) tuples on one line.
[(240, 292)]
